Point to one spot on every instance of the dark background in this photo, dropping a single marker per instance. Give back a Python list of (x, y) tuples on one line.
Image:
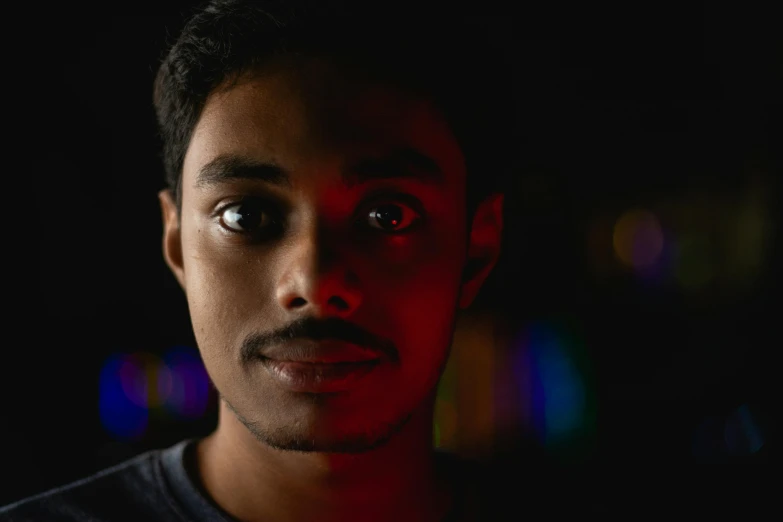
[(676, 110)]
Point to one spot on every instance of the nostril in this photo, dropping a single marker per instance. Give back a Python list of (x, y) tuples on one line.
[(298, 302), (339, 303)]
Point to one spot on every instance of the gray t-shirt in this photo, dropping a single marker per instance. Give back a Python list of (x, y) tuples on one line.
[(157, 486), (154, 486)]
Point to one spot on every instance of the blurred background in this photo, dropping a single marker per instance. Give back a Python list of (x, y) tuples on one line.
[(630, 326)]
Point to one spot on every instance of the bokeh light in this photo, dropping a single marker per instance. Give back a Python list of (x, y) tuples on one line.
[(638, 240), (133, 380), (120, 416), (139, 374), (473, 354), (445, 421), (464, 417), (134, 385), (735, 434), (554, 397), (700, 242), (445, 424), (164, 383), (187, 383), (599, 246), (741, 432), (694, 266)]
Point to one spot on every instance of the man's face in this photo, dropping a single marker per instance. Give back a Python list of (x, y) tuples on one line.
[(321, 246)]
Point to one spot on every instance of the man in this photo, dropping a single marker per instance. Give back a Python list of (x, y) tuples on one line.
[(329, 210)]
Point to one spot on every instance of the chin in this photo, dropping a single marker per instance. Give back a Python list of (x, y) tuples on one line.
[(345, 445), (333, 435)]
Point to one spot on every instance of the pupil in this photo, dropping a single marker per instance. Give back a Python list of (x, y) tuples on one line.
[(389, 216), (248, 218)]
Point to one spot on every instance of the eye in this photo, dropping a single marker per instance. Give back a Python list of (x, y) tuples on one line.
[(392, 217), (247, 217)]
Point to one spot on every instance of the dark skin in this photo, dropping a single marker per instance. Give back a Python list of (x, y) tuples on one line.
[(384, 248)]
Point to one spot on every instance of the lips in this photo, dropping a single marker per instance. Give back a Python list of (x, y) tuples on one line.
[(318, 377), (320, 352), (319, 366)]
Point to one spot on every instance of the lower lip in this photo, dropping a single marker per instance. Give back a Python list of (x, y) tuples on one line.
[(318, 377)]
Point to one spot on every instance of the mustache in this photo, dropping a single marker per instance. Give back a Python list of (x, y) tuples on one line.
[(311, 328)]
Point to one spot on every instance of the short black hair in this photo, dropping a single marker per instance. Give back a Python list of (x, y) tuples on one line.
[(457, 60)]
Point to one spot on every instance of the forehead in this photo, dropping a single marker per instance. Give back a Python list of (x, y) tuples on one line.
[(292, 116)]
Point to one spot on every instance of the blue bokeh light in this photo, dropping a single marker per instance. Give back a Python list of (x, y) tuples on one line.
[(121, 416), (552, 388), (186, 383)]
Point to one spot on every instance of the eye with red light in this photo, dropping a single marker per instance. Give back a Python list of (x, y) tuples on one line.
[(392, 217)]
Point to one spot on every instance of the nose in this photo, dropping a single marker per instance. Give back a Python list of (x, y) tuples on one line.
[(317, 280)]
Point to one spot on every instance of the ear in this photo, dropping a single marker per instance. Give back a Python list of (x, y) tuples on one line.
[(172, 237), (484, 248)]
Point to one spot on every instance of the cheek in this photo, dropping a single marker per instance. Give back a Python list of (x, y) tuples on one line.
[(415, 289), (421, 265), (225, 289)]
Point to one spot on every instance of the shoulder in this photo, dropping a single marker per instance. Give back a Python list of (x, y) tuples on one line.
[(132, 490)]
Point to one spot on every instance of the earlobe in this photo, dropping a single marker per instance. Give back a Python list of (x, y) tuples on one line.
[(484, 248), (172, 238)]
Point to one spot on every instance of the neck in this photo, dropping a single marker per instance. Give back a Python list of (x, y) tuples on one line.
[(252, 481)]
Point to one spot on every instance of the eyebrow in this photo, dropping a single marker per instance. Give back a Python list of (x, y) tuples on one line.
[(228, 167), (404, 163), (407, 163)]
